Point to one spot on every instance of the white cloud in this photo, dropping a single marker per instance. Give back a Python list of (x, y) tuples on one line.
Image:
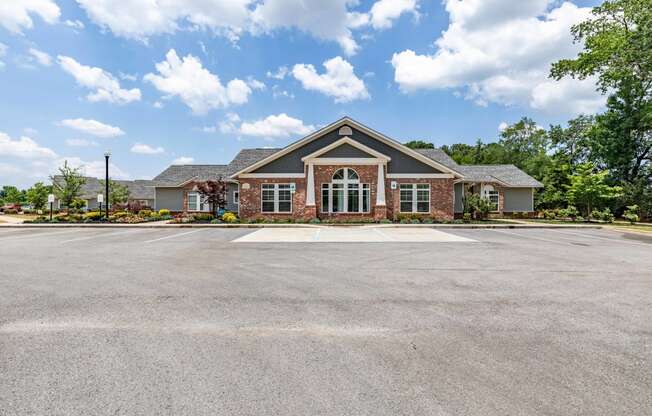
[(40, 57), (145, 149), (183, 160), (106, 87), (157, 104), (140, 19), (339, 80), (23, 148), (3, 52), (80, 143), (94, 168), (502, 126), (93, 127), (553, 96), (75, 24), (279, 74), (500, 51), (384, 12), (275, 126), (327, 20), (16, 15), (128, 77), (198, 88), (255, 84)]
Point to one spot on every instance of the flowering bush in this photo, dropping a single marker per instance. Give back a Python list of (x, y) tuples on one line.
[(229, 218)]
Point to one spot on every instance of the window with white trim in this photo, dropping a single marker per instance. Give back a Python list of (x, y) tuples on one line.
[(489, 193), (415, 197), (345, 194), (236, 197), (276, 198), (196, 203)]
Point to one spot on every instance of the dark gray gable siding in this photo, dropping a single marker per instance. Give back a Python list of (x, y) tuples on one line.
[(400, 163), (346, 150)]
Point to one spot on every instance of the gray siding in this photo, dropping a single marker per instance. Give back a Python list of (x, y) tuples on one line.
[(400, 163), (230, 203), (169, 198), (346, 150), (459, 197), (518, 200)]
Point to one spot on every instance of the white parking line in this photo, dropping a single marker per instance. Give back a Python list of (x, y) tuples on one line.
[(13, 238), (529, 237), (174, 235), (595, 237), (100, 235)]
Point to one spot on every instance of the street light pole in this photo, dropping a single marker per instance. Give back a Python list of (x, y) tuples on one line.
[(107, 154)]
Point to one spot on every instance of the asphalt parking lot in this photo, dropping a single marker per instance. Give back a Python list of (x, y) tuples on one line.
[(207, 321)]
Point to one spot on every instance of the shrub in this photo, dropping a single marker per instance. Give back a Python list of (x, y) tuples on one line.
[(145, 213), (229, 218), (203, 217), (163, 212), (570, 212), (549, 214), (93, 216), (427, 220), (217, 221), (385, 221), (466, 217), (607, 215), (120, 214), (261, 220), (315, 221), (631, 214)]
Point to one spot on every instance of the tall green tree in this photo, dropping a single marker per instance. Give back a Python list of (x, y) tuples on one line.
[(37, 195), (526, 145), (618, 52), (572, 144), (589, 189), (118, 193), (68, 185), (12, 195)]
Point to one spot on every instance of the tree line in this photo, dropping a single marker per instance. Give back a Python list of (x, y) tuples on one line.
[(596, 161)]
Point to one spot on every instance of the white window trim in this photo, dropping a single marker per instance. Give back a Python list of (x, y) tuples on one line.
[(236, 199), (345, 182), (414, 198), (198, 205), (276, 200)]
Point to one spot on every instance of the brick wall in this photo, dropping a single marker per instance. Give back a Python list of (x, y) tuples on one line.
[(441, 196), (250, 199)]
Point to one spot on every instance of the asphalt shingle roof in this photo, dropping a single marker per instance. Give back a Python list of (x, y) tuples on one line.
[(440, 156), (177, 174), (508, 174), (138, 189), (248, 157)]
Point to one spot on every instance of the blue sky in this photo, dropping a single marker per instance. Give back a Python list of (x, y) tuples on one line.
[(79, 77)]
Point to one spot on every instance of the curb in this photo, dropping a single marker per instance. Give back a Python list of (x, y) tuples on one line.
[(437, 226)]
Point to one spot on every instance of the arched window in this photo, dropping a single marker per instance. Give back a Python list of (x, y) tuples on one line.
[(488, 192), (345, 193)]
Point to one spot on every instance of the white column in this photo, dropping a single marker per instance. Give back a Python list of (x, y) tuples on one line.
[(310, 186), (380, 187)]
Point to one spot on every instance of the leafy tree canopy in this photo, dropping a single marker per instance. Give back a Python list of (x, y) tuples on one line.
[(118, 193), (419, 144), (67, 187), (37, 195)]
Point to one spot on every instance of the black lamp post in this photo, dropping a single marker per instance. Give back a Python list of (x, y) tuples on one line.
[(107, 154)]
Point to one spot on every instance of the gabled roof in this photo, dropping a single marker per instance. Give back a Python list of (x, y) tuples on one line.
[(247, 157), (138, 189), (440, 156), (176, 175), (348, 122), (510, 175)]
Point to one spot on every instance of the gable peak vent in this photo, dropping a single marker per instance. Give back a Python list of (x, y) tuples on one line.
[(345, 131)]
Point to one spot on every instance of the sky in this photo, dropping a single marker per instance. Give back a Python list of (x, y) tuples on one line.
[(159, 82)]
